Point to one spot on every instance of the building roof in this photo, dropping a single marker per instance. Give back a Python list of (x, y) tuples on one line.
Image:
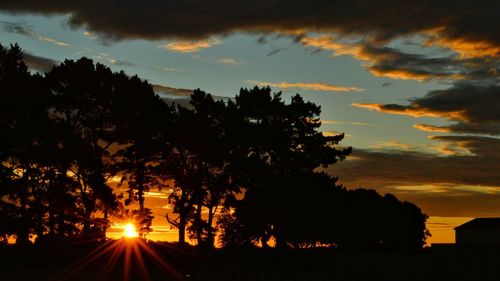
[(480, 223)]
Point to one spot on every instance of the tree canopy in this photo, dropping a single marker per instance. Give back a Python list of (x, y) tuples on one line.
[(245, 169)]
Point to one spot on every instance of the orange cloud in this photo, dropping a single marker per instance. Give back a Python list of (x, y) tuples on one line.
[(191, 46), (465, 48), (330, 43), (393, 145), (408, 110), (457, 147), (334, 133), (308, 86), (431, 128), (382, 61), (403, 74)]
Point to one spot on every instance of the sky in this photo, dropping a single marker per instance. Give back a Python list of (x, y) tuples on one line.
[(414, 85)]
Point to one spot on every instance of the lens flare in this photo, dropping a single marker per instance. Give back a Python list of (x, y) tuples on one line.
[(130, 231)]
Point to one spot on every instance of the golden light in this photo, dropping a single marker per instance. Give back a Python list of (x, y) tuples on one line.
[(130, 231)]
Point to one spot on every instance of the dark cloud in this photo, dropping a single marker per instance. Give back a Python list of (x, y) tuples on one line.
[(16, 27), (262, 40), (379, 19), (26, 30), (275, 51), (170, 92), (387, 84), (468, 28), (38, 63), (395, 63), (472, 108), (437, 182)]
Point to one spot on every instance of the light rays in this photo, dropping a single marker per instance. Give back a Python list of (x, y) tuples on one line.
[(137, 255)]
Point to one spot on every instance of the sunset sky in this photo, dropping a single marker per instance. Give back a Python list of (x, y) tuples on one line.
[(413, 84)]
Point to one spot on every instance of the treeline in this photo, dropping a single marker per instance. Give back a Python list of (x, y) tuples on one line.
[(245, 170)]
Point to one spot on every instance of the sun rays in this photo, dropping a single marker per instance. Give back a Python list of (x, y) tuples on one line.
[(136, 257)]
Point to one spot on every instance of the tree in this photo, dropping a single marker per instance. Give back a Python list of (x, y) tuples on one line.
[(198, 163), (142, 125), (247, 167), (276, 142), (81, 95), (392, 224), (21, 124)]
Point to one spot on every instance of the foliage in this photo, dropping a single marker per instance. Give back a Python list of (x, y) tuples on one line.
[(245, 168)]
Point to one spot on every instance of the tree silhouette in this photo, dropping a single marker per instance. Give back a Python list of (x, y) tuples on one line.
[(81, 94), (393, 225), (142, 125), (21, 124), (248, 167), (199, 167), (277, 141)]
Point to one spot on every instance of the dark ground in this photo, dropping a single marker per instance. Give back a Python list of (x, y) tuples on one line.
[(58, 263)]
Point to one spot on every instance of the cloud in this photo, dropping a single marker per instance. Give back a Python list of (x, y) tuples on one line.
[(355, 123), (389, 168), (472, 108), (396, 109), (107, 58), (307, 86), (331, 133), (26, 30), (466, 49), (390, 62), (432, 128), (51, 40), (166, 90), (16, 27), (470, 31), (156, 194), (439, 183), (275, 51), (391, 145), (167, 69), (190, 46), (38, 63), (227, 61), (379, 20)]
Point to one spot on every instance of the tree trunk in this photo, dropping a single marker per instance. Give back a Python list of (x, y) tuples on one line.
[(182, 233), (89, 208), (23, 231), (199, 225), (140, 183), (60, 208), (52, 221), (105, 227), (280, 242), (50, 205), (210, 231)]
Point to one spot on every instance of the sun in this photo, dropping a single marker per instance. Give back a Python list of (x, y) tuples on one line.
[(130, 231)]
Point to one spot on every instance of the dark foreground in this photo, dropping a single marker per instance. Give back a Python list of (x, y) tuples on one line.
[(125, 260)]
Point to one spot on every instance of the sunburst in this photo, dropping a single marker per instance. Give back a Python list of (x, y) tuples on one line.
[(130, 231)]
